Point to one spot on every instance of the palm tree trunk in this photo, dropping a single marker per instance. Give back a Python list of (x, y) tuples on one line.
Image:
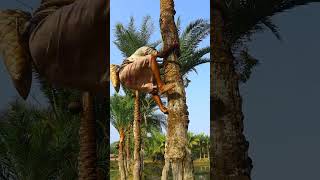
[(128, 151), (142, 155), (229, 152), (137, 174), (165, 170), (125, 162), (87, 133), (178, 120), (121, 156), (208, 154)]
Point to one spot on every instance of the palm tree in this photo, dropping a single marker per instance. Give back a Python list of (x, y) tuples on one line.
[(194, 141), (121, 111), (233, 24), (177, 152), (202, 144), (137, 167), (207, 143), (59, 98), (128, 39), (155, 145)]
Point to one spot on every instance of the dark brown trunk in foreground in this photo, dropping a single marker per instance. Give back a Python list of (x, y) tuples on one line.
[(229, 151), (176, 153), (137, 174), (87, 133)]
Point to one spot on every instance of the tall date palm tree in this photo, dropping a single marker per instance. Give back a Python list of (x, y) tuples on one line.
[(233, 23)]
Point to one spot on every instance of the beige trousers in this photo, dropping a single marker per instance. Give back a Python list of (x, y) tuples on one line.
[(138, 75)]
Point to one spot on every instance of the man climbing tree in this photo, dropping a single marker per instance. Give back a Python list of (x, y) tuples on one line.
[(140, 72)]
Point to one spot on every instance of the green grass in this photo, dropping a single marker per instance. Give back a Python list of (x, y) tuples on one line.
[(152, 170)]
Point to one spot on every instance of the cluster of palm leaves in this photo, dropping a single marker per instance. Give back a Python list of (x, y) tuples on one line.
[(199, 145), (243, 19), (36, 144)]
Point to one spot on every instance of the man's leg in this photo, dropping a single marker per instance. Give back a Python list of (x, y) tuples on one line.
[(156, 73), (157, 99)]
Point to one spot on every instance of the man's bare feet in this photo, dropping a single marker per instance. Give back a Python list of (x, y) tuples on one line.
[(165, 88), (157, 99)]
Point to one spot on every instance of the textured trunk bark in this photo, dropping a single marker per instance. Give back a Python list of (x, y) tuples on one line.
[(229, 157), (188, 165), (128, 151), (125, 160), (87, 133), (177, 151), (142, 156), (121, 156), (165, 170), (137, 174)]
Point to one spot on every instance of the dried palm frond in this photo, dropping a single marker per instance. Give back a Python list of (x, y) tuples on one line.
[(114, 76), (14, 50)]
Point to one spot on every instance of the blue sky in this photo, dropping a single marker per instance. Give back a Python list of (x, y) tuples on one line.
[(198, 91)]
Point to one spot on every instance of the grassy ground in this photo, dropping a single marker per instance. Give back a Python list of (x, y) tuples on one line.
[(152, 170)]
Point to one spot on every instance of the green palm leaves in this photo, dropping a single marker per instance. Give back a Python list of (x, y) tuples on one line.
[(36, 145), (129, 38), (121, 111), (190, 38)]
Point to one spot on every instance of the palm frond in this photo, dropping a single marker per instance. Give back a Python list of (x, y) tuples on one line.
[(178, 25), (128, 39), (274, 29), (243, 20), (193, 34), (244, 63)]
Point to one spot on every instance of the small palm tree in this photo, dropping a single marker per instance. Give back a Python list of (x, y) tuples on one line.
[(121, 111), (156, 145)]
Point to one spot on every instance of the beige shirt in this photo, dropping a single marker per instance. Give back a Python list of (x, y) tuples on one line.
[(143, 51)]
